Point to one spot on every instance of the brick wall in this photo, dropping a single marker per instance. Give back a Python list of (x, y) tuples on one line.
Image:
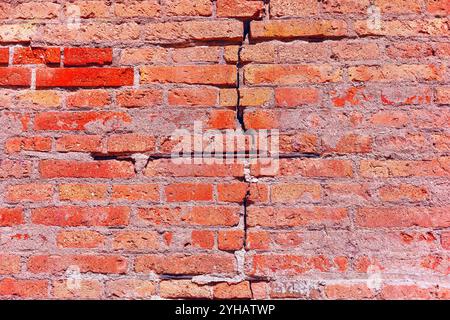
[(92, 206)]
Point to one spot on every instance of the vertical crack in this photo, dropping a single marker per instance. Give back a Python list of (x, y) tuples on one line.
[(239, 64), (246, 203)]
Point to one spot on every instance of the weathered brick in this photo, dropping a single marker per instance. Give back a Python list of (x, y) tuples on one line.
[(220, 75), (403, 217), (11, 217), (25, 289), (71, 216), (78, 121), (55, 264), (79, 169), (87, 56), (290, 74), (186, 31), (291, 29), (82, 192), (28, 55), (240, 8), (15, 77), (135, 192), (32, 192), (179, 264), (79, 239), (291, 217)]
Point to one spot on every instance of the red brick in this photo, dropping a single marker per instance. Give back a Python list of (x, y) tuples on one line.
[(29, 55), (54, 264), (237, 192), (239, 290), (131, 143), (91, 9), (258, 240), (349, 291), (203, 239), (131, 9), (200, 216), (240, 8), (187, 31), (9, 264), (17, 144), (164, 167), (403, 192), (299, 142), (292, 97), (136, 192), (182, 192), (348, 143), (404, 168), (222, 119), (406, 96), (79, 239), (389, 73), (82, 192), (440, 7), (290, 29), (27, 289), (294, 8), (273, 264), (88, 99), (402, 292), (71, 216), (196, 54), (345, 6), (139, 98), (32, 192), (186, 264), (285, 193), (445, 240), (4, 56), (131, 288), (403, 217), (136, 240), (143, 55), (79, 143), (87, 56), (15, 168), (187, 8), (261, 119), (85, 289), (291, 217), (290, 74), (399, 6), (78, 121), (11, 217), (108, 169), (409, 50), (84, 77), (15, 77), (184, 289), (443, 95), (312, 168), (193, 97), (433, 27), (219, 75), (231, 240)]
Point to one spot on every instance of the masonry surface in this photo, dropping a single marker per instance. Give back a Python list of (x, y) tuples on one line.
[(91, 91)]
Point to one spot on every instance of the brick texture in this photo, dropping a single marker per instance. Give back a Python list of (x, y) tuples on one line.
[(357, 208)]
